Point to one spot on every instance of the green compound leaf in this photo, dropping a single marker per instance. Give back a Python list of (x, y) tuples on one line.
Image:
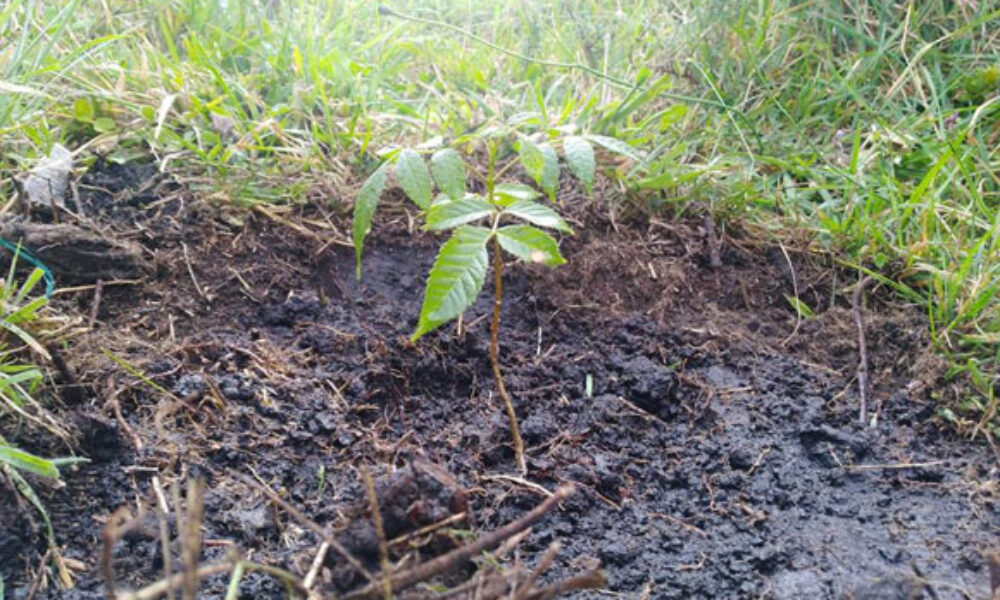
[(580, 158), (448, 170), (448, 215), (20, 459), (537, 214), (550, 173), (455, 279), (531, 158), (530, 244), (364, 210), (413, 177)]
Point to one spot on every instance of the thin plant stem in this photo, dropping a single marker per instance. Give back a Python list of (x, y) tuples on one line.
[(515, 432)]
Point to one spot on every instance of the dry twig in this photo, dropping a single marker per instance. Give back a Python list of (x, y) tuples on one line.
[(383, 547), (543, 565), (410, 577), (191, 540), (862, 350)]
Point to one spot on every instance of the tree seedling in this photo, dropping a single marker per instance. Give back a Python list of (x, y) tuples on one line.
[(504, 217)]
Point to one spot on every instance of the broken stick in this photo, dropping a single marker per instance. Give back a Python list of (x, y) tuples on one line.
[(410, 577), (862, 350)]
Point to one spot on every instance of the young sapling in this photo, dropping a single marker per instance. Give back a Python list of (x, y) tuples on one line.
[(506, 217)]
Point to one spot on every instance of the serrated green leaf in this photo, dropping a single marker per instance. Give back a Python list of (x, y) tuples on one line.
[(413, 177), (615, 145), (532, 159), (20, 459), (537, 214), (549, 180), (506, 194), (448, 215), (580, 158), (530, 244), (364, 210), (455, 279), (439, 200), (448, 170)]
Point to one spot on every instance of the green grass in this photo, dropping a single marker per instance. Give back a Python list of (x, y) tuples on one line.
[(26, 325), (871, 128)]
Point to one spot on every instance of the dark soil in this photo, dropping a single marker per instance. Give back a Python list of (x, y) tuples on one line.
[(718, 454)]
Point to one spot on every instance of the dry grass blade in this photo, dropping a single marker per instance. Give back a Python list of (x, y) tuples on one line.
[(191, 540)]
